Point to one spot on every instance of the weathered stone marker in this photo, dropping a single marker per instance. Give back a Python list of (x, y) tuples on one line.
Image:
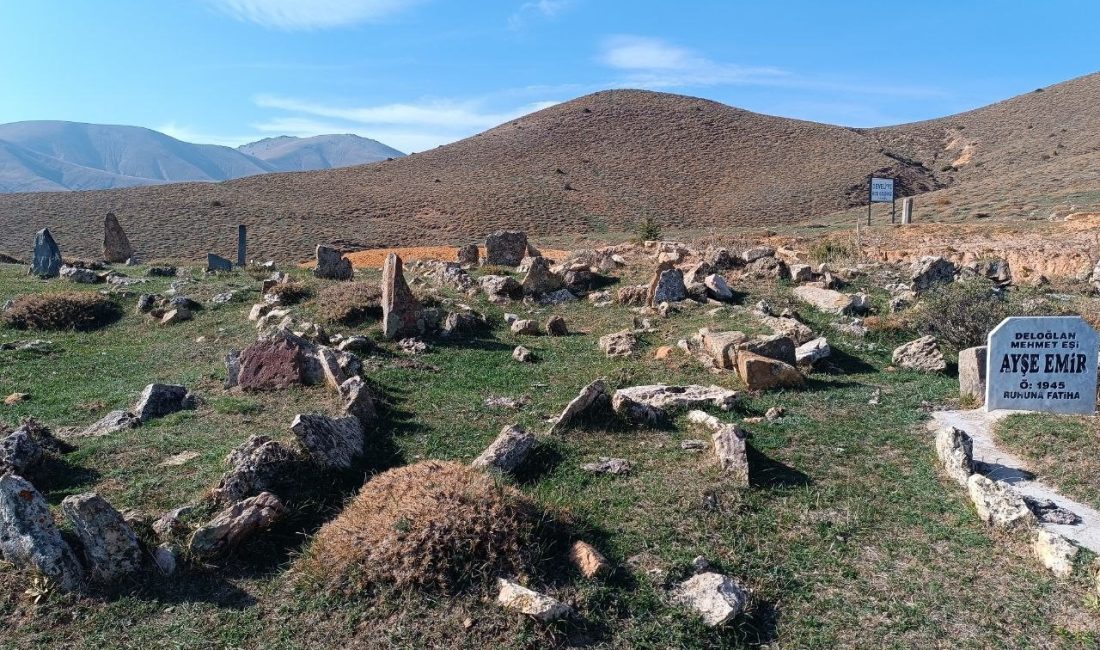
[(242, 234), (116, 246), (46, 262), (217, 263), (1042, 363), (907, 210)]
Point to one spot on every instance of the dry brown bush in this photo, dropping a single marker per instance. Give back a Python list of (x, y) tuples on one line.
[(290, 293), (435, 524), (62, 311), (350, 303)]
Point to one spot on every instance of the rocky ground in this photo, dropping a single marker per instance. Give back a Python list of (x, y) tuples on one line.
[(729, 442)]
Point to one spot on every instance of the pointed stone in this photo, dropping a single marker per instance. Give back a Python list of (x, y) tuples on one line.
[(29, 539), (593, 395), (400, 308), (334, 443), (237, 523), (508, 451), (46, 262), (116, 246)]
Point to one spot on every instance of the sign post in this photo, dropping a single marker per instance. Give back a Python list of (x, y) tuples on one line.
[(880, 190), (1042, 363)]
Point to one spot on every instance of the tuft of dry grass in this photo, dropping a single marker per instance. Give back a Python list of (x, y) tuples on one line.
[(350, 303), (430, 525), (291, 293), (79, 311)]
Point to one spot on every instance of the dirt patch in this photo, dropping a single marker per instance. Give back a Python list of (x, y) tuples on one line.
[(373, 258)]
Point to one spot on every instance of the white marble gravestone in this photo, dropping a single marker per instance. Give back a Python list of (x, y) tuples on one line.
[(1042, 363)]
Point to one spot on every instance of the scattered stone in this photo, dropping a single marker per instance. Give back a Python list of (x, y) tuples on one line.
[(556, 326), (1049, 512), (647, 404), (605, 465), (358, 401), (715, 597), (1055, 552), (827, 300), (776, 346), (508, 451), (468, 254), (16, 398), (29, 539), (999, 504), (775, 413), (465, 321), (19, 451), (277, 362), (158, 400), (921, 355), (720, 347), (525, 327), (540, 279), (174, 316), (693, 445), (46, 262), (670, 287), (813, 351), (753, 254), (400, 308), (217, 263), (790, 327), (112, 422), (590, 562), (972, 374), (620, 344), (162, 271), (500, 287), (801, 272), (505, 248), (558, 297), (223, 298), (523, 355), (717, 288), (334, 443), (257, 465), (110, 547), (166, 558), (632, 295), (591, 397), (763, 373), (78, 275), (956, 451), (501, 402), (729, 445), (931, 271), (518, 598), (236, 524), (331, 264), (37, 346), (116, 246)]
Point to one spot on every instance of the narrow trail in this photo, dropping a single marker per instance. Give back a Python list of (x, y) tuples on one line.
[(1002, 465)]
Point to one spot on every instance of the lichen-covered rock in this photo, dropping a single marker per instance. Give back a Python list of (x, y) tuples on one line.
[(999, 504), (334, 443), (715, 597), (955, 450), (29, 539), (505, 248), (540, 279), (236, 524), (358, 401), (619, 344), (670, 287), (110, 546), (508, 451), (331, 264), (525, 327), (1055, 552), (257, 465), (19, 451), (921, 355), (827, 300), (158, 400), (540, 607), (634, 295), (523, 355), (647, 404)]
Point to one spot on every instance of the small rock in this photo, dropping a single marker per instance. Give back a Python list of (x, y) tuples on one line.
[(775, 413), (556, 326), (999, 504), (236, 524), (591, 397), (693, 445), (715, 597), (615, 466), (763, 373), (1055, 552), (112, 422), (508, 451), (700, 564), (525, 327), (1049, 512), (523, 355), (110, 546), (590, 562), (518, 598), (717, 288), (166, 558), (16, 398), (158, 400), (956, 451), (921, 355), (619, 344)]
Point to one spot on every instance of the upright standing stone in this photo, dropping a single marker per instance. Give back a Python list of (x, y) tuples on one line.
[(331, 264), (110, 546), (505, 247), (242, 236), (1042, 363), (972, 373), (217, 263), (116, 246), (400, 308), (468, 254), (30, 539), (46, 262), (907, 210)]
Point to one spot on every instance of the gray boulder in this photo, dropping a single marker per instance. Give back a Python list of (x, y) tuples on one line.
[(931, 271), (921, 355), (235, 524), (332, 443), (19, 451), (331, 264), (670, 287), (111, 548), (715, 597), (972, 374), (29, 539), (507, 451), (505, 248), (78, 275), (217, 264), (257, 465), (46, 262), (112, 422), (158, 400)]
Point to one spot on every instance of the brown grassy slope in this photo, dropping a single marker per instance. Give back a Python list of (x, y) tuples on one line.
[(622, 154)]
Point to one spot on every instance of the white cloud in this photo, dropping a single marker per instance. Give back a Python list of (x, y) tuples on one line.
[(309, 14), (543, 8), (420, 126), (196, 136), (655, 63)]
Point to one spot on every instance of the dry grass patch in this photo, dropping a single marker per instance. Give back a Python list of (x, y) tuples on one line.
[(350, 303), (434, 525), (79, 311), (291, 293)]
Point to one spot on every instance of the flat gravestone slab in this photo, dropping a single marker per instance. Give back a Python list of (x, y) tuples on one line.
[(1042, 363)]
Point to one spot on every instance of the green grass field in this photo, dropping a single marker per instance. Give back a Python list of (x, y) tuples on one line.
[(848, 537)]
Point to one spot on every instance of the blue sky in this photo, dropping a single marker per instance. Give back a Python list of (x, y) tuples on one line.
[(419, 73)]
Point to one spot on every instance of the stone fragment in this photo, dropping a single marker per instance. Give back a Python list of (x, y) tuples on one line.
[(753, 254), (813, 351), (556, 326), (721, 347), (46, 262), (619, 344), (972, 374), (236, 524), (540, 279), (827, 300), (111, 423), (110, 546), (116, 246), (508, 451), (523, 355), (232, 369), (589, 561), (931, 271), (258, 311), (257, 465), (174, 316), (358, 401), (731, 452), (790, 327), (400, 308), (29, 539), (468, 254), (763, 373), (999, 504), (632, 295), (591, 397), (217, 263), (693, 444), (921, 355), (19, 451), (775, 346), (331, 264), (525, 327), (78, 275), (158, 400), (1049, 512), (801, 272), (670, 287), (1055, 552), (775, 413), (16, 398), (462, 322), (500, 287), (648, 404), (955, 450), (505, 248), (334, 443), (520, 599), (166, 558), (605, 465), (717, 288), (557, 297), (715, 597)]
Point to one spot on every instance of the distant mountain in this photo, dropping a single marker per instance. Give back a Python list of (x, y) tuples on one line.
[(291, 154), (44, 156)]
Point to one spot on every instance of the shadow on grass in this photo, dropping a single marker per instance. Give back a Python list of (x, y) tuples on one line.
[(842, 363), (814, 385), (765, 472), (542, 461)]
